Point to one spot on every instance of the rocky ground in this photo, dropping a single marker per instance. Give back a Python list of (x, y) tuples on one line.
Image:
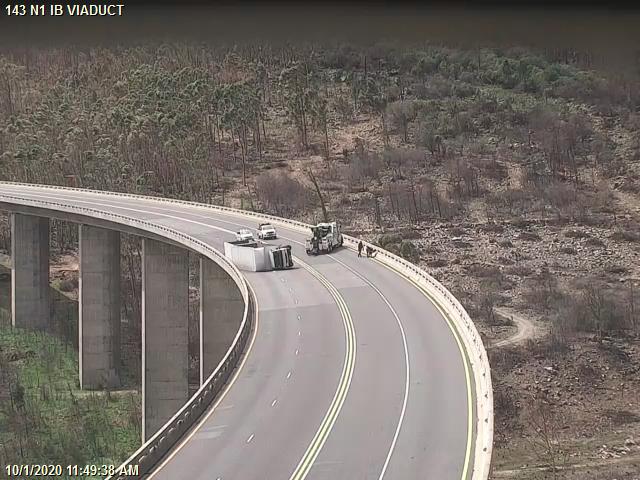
[(591, 418)]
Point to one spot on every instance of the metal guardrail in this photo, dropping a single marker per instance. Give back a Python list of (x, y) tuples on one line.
[(476, 353)]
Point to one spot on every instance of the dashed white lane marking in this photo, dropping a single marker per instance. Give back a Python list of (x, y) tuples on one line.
[(210, 432), (299, 333), (288, 375), (299, 317), (275, 400), (250, 438), (297, 351)]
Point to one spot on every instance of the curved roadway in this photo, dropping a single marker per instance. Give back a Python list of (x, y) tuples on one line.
[(353, 373)]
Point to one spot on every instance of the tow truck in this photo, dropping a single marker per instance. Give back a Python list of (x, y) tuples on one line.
[(324, 239)]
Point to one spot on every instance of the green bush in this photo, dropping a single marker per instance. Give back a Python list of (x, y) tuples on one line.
[(47, 418), (409, 251), (68, 284), (388, 239)]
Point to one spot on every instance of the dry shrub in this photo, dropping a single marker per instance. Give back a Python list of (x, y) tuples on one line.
[(622, 417), (521, 223), (491, 227), (344, 107), (592, 307), (505, 261), (625, 236), (482, 270), (529, 237), (431, 250), (437, 263), (616, 269), (587, 372), (519, 271), (542, 292), (505, 360), (68, 284), (401, 114), (401, 160), (409, 233), (576, 234), (506, 403), (493, 169), (280, 194), (363, 167), (594, 242), (457, 231)]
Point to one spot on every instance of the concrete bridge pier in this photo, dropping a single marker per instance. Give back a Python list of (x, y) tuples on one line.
[(99, 307), (165, 312), (30, 307), (221, 309)]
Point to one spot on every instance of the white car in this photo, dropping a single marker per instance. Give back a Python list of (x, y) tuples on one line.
[(266, 232), (244, 234)]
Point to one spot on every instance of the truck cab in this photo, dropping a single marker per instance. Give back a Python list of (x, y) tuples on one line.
[(281, 257)]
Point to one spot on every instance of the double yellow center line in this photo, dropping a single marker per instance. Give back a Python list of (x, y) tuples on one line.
[(309, 457)]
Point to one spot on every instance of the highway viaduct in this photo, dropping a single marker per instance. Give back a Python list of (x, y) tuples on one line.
[(165, 297), (390, 377)]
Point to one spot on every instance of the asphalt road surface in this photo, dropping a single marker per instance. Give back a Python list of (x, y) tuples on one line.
[(353, 373)]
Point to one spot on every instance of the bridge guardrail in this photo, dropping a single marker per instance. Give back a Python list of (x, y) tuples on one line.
[(173, 430), (476, 353)]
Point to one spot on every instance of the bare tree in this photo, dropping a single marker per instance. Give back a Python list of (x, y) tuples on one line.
[(314, 181), (298, 82), (631, 301), (545, 426), (401, 114)]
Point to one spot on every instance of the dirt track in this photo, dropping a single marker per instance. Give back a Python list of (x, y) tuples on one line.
[(527, 329)]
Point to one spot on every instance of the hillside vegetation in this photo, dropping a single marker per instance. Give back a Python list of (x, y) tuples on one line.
[(46, 418), (512, 175)]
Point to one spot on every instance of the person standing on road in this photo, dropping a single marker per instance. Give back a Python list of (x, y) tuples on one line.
[(360, 248)]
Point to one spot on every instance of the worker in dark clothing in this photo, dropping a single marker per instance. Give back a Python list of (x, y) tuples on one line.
[(360, 248)]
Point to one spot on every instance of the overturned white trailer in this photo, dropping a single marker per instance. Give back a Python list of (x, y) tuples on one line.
[(247, 255)]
